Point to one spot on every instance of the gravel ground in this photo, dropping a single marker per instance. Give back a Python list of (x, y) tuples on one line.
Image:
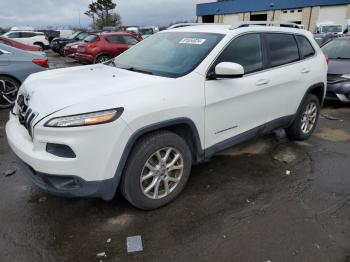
[(241, 205)]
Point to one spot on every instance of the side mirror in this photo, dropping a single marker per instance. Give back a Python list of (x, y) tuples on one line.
[(227, 70)]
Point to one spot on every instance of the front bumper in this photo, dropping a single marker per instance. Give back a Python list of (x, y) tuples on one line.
[(70, 186), (340, 90), (85, 58), (92, 173)]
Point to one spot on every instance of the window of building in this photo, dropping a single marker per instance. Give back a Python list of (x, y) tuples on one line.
[(246, 51), (282, 48)]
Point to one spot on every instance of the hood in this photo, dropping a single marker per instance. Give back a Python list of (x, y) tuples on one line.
[(53, 90), (338, 66)]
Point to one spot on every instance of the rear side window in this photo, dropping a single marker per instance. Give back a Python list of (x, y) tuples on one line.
[(27, 34), (129, 40), (246, 51), (306, 49), (282, 48)]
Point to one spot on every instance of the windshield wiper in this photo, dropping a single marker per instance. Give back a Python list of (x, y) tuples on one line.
[(133, 69)]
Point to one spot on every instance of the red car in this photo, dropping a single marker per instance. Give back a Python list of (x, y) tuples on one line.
[(13, 43), (99, 48), (71, 49)]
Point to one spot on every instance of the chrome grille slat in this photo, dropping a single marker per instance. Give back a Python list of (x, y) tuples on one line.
[(26, 115)]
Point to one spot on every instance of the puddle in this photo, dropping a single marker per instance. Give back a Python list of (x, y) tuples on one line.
[(335, 135)]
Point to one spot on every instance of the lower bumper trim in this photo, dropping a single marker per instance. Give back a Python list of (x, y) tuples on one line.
[(70, 186)]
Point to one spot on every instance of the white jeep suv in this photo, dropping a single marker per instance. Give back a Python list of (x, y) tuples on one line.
[(29, 38), (175, 99)]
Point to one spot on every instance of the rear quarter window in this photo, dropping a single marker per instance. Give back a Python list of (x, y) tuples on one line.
[(282, 48), (306, 49)]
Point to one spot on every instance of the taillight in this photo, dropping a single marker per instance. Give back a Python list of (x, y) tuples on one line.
[(43, 62), (327, 59)]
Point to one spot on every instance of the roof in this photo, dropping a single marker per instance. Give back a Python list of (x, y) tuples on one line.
[(239, 6), (233, 29)]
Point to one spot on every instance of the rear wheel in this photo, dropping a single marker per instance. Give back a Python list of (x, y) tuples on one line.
[(157, 170), (61, 51), (102, 59), (306, 120), (8, 91), (41, 45)]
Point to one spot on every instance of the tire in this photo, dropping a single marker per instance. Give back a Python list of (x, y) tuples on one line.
[(8, 91), (102, 59), (61, 51), (145, 151), (306, 119), (41, 45)]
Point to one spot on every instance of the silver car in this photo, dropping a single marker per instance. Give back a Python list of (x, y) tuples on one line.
[(15, 66)]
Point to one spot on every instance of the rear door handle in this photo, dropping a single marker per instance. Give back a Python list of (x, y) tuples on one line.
[(262, 82), (305, 71)]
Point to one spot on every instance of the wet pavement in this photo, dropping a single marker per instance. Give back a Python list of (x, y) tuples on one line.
[(242, 205)]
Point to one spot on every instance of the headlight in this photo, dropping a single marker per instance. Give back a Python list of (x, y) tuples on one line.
[(88, 119)]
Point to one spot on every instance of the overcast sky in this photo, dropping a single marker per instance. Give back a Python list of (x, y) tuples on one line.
[(42, 13)]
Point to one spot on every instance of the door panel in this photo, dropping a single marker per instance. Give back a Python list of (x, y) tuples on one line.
[(234, 106)]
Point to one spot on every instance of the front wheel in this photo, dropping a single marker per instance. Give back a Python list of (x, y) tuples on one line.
[(306, 119), (157, 170), (8, 91), (102, 59)]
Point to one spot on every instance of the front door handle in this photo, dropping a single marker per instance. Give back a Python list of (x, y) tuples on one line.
[(305, 71), (262, 82)]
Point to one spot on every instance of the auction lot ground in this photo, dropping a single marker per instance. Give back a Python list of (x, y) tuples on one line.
[(239, 206)]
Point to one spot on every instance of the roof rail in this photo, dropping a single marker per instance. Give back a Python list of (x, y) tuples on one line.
[(265, 23), (188, 24)]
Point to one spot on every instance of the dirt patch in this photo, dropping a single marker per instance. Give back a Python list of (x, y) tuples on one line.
[(255, 148), (335, 135), (285, 154)]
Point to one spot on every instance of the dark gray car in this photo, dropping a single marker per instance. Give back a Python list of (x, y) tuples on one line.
[(338, 53), (15, 66)]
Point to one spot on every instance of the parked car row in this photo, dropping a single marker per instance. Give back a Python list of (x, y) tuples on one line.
[(101, 47)]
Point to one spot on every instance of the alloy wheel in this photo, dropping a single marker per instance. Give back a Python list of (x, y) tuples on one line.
[(8, 93), (162, 173), (309, 118)]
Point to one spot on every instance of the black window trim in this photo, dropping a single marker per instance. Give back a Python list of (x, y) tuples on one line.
[(263, 51), (268, 53)]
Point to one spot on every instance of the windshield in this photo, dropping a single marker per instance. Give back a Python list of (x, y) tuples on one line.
[(171, 54), (74, 35), (146, 31), (337, 49), (332, 29)]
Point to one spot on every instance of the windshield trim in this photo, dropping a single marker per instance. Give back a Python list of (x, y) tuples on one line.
[(169, 74)]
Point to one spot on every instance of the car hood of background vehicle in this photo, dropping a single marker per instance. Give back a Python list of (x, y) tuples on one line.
[(53, 90), (339, 66)]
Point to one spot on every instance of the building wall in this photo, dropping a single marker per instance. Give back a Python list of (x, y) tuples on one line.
[(308, 16)]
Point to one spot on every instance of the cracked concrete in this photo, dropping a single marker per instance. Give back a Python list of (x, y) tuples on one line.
[(239, 206)]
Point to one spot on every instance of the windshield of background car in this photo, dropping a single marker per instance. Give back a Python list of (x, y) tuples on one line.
[(91, 39), (74, 35), (332, 29), (148, 31), (171, 54), (337, 49)]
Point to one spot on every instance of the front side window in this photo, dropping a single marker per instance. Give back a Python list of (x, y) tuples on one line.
[(282, 48), (170, 54), (245, 50), (115, 39), (305, 46), (337, 49)]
